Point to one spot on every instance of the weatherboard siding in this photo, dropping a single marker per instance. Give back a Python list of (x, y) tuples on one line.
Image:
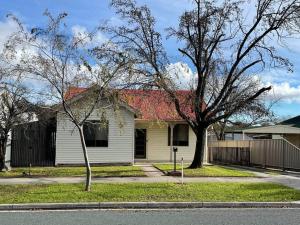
[(157, 148), (120, 141)]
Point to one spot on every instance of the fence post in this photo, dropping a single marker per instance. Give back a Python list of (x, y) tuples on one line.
[(283, 155), (265, 155), (249, 160)]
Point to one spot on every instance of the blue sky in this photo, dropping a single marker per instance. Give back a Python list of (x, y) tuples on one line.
[(92, 12)]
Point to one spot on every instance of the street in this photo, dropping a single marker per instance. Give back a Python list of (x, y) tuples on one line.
[(155, 217)]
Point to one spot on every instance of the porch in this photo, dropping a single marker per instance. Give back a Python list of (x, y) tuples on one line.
[(154, 141)]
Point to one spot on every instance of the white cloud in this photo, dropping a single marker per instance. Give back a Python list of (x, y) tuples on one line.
[(285, 92), (7, 28), (285, 85), (279, 76), (79, 31), (82, 32), (181, 74)]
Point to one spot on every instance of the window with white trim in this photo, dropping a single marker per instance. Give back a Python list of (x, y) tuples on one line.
[(95, 133), (180, 135)]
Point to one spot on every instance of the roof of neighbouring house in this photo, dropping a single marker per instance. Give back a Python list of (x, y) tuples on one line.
[(151, 104), (294, 122), (290, 126)]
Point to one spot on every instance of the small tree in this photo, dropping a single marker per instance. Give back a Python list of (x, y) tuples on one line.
[(254, 115), (14, 109), (223, 47), (59, 61)]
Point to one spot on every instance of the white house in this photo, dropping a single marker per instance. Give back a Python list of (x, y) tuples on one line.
[(141, 130)]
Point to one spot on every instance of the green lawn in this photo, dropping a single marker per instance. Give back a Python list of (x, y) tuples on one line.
[(99, 171), (207, 171), (134, 192)]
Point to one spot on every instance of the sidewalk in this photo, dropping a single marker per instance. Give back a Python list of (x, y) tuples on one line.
[(156, 176), (162, 179), (286, 180)]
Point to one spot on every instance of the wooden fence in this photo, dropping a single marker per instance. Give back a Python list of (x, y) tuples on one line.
[(273, 153), (33, 144)]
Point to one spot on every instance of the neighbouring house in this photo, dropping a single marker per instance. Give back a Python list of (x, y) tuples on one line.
[(141, 130), (276, 146), (288, 129)]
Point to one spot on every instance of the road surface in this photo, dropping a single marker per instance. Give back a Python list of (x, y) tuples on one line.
[(155, 217)]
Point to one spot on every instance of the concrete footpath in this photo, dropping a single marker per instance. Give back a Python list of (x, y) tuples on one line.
[(163, 179), (156, 176), (288, 180)]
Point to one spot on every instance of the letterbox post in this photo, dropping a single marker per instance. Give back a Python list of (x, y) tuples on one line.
[(175, 151)]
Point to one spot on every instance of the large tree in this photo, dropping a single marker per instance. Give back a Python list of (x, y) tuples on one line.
[(59, 60), (223, 44)]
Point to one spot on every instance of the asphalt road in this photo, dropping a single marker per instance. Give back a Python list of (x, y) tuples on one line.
[(155, 217)]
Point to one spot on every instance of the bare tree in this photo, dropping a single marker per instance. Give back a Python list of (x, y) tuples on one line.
[(14, 109), (58, 61), (224, 46), (259, 114)]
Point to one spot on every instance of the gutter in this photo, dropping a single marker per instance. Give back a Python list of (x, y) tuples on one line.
[(145, 205)]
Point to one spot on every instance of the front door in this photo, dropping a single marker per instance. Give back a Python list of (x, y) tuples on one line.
[(140, 143)]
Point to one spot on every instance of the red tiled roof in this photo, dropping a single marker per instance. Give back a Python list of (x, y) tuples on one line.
[(151, 104), (155, 104), (73, 91)]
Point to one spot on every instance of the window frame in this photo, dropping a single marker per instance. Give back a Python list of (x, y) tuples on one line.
[(176, 142), (95, 122)]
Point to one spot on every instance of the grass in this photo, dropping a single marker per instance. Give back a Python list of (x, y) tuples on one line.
[(207, 171), (99, 171), (135, 192)]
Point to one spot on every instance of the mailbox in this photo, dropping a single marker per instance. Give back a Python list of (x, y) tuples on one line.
[(174, 172)]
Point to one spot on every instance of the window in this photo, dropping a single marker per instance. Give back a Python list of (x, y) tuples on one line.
[(180, 135), (95, 133)]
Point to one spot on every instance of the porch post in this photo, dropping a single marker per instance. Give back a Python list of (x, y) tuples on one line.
[(133, 145), (171, 140)]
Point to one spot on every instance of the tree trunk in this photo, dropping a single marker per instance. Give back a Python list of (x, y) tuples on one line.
[(3, 143), (200, 147), (86, 160)]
